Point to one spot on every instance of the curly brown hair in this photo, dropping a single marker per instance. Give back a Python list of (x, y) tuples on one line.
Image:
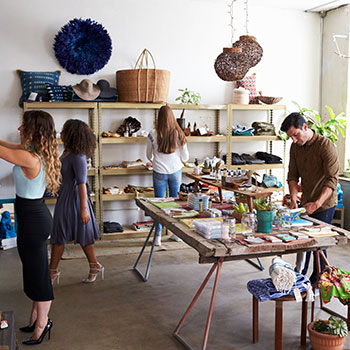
[(39, 136), (78, 137)]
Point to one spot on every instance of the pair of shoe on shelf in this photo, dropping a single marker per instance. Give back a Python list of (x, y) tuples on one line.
[(158, 240), (95, 269)]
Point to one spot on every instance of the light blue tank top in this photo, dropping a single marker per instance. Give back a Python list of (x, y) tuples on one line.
[(29, 188)]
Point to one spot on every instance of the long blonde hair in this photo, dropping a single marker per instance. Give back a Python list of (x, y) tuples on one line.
[(39, 136), (169, 133)]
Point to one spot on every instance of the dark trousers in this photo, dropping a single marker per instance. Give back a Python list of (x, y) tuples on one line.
[(327, 217)]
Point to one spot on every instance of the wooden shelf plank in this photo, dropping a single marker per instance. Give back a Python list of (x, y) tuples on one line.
[(125, 196), (112, 140), (255, 138), (256, 166), (254, 107), (129, 232), (199, 139), (125, 171), (58, 105)]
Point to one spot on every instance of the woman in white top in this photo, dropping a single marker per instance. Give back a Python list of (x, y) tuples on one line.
[(167, 150)]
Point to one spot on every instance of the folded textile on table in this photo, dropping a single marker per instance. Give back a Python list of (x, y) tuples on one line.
[(242, 130), (282, 275), (263, 128), (264, 289)]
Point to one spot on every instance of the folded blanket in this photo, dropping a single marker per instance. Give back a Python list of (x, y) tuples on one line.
[(282, 275)]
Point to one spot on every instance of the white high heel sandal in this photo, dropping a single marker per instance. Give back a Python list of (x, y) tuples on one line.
[(95, 269), (55, 276)]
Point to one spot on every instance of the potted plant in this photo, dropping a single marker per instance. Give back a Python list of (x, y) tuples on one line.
[(187, 97), (335, 125), (264, 214), (328, 334)]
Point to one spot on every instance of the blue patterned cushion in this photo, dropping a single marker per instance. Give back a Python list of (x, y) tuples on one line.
[(36, 82), (59, 93)]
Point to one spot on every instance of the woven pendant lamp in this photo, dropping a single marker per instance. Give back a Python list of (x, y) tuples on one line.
[(232, 64), (251, 47)]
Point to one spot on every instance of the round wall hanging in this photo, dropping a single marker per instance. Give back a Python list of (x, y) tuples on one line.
[(82, 46)]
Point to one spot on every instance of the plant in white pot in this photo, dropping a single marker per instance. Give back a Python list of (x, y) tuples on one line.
[(328, 334), (187, 97)]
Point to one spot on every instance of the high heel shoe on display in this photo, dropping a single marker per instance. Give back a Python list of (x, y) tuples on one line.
[(95, 269), (55, 276), (28, 329), (46, 330)]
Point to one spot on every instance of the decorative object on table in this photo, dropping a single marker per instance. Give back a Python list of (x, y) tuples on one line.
[(105, 90), (82, 46), (232, 64), (187, 97), (328, 334), (249, 83), (130, 125), (331, 128), (198, 201), (206, 169), (86, 90), (265, 214), (240, 96), (143, 84), (59, 93), (268, 100), (36, 82)]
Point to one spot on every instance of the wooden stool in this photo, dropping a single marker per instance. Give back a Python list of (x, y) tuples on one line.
[(279, 320)]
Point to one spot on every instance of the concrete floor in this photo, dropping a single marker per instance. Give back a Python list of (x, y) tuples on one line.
[(123, 313)]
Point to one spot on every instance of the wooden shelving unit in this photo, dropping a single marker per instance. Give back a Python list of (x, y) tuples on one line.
[(96, 174)]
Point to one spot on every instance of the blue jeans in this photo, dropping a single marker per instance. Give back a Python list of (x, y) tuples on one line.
[(327, 217), (160, 184)]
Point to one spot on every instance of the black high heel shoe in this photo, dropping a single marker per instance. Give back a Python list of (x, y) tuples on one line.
[(46, 330), (28, 329)]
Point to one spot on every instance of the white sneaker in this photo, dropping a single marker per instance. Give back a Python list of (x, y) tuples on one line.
[(158, 241), (175, 238)]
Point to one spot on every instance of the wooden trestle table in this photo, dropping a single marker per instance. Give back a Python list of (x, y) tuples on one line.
[(216, 252)]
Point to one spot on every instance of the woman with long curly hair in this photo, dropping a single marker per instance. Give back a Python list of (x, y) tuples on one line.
[(74, 219), (167, 150), (37, 167)]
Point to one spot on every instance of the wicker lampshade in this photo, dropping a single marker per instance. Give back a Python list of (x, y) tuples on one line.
[(251, 47), (232, 64)]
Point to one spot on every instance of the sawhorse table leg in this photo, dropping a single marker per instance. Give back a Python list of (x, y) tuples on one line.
[(139, 273), (217, 265)]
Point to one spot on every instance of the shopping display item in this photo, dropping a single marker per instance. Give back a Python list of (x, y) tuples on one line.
[(251, 47), (143, 84)]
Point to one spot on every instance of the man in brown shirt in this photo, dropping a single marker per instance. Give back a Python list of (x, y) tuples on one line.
[(313, 160)]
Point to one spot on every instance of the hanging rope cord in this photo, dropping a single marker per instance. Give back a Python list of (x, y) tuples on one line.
[(246, 16)]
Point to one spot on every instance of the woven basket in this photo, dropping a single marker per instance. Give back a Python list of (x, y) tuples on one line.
[(232, 64), (251, 47), (143, 84)]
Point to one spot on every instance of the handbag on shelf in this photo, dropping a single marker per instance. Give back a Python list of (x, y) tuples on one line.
[(143, 84)]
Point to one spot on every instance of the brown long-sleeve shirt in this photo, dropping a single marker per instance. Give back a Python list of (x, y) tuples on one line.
[(316, 164)]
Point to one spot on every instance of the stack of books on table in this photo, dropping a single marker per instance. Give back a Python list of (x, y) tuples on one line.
[(8, 243)]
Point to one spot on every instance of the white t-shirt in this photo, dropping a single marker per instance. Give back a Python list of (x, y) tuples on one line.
[(165, 163)]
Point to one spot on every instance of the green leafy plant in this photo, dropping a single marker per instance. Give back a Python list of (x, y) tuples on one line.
[(334, 325), (263, 204), (188, 97), (331, 129)]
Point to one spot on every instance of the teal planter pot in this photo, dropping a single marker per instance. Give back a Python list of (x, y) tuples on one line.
[(265, 219)]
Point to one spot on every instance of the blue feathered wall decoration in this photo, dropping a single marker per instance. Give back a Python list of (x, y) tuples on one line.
[(83, 46)]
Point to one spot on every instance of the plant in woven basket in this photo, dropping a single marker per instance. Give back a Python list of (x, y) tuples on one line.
[(187, 97)]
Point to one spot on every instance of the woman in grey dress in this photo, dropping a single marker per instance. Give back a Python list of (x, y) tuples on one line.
[(74, 219)]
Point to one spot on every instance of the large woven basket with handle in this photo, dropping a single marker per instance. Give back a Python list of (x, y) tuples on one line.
[(143, 84)]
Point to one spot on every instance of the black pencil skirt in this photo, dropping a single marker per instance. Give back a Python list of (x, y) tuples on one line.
[(34, 227)]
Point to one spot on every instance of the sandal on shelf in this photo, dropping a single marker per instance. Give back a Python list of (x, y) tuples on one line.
[(55, 276), (95, 269)]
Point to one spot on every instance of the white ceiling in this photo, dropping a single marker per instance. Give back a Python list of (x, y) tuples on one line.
[(314, 5)]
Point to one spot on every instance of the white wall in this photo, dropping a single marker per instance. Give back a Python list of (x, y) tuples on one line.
[(185, 37)]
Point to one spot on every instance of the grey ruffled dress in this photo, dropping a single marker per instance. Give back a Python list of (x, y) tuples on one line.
[(67, 225)]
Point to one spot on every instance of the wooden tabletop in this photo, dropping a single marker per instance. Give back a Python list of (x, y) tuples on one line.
[(211, 249)]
